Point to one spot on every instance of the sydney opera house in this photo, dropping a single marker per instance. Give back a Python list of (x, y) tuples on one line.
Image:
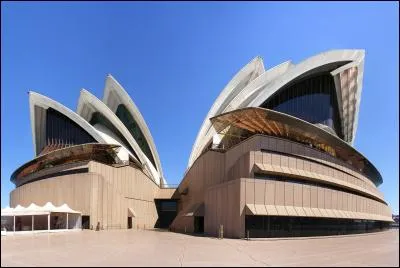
[(273, 157)]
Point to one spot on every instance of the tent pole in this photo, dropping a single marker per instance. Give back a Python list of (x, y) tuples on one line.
[(67, 220), (14, 223), (32, 221), (48, 222)]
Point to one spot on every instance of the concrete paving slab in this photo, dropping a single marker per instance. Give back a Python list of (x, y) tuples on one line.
[(153, 248)]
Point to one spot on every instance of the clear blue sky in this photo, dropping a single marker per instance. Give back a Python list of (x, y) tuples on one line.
[(175, 58)]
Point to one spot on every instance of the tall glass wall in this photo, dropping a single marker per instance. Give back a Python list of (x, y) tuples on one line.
[(63, 132), (130, 123), (282, 226), (312, 99)]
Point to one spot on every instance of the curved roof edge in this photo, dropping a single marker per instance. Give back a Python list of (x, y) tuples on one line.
[(36, 99), (115, 94), (250, 72), (88, 104)]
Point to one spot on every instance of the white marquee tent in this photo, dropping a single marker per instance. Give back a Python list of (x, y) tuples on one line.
[(37, 218)]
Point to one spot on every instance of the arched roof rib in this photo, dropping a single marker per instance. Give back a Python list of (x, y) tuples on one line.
[(115, 95), (38, 119), (88, 105)]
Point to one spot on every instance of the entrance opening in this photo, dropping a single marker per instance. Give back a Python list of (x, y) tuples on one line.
[(129, 222), (85, 222), (167, 211), (199, 224)]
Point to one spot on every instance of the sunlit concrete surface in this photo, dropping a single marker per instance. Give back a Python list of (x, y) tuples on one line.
[(155, 248)]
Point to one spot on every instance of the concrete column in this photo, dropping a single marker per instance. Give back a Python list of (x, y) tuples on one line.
[(48, 222), (67, 220), (33, 222)]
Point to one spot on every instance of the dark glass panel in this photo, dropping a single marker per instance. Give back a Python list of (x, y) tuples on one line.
[(130, 123), (282, 226), (59, 134), (312, 99)]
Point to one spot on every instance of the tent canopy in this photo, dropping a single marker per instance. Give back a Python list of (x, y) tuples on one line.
[(34, 209)]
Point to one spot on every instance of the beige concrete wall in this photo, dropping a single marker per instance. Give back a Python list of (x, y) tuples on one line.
[(222, 207), (223, 182), (74, 189), (205, 172), (327, 165), (105, 194), (270, 192), (257, 142), (293, 165)]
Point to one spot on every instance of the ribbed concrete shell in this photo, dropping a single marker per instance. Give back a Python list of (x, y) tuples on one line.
[(348, 83), (89, 104), (114, 95), (38, 123)]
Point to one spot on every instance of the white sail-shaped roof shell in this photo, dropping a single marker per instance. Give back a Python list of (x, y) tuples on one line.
[(348, 84), (114, 95), (88, 104), (245, 76), (38, 120)]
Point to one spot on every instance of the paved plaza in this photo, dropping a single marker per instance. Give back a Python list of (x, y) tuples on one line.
[(156, 248)]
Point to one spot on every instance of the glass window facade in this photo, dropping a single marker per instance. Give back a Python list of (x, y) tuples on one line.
[(62, 131), (312, 99), (281, 226), (130, 123)]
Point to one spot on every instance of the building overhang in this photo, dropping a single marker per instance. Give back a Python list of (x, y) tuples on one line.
[(249, 121), (81, 152)]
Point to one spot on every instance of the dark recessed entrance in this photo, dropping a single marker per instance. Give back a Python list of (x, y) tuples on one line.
[(199, 224), (85, 222), (167, 211), (129, 222)]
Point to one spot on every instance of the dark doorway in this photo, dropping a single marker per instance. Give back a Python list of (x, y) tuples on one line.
[(199, 224), (129, 222), (85, 222), (167, 211)]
